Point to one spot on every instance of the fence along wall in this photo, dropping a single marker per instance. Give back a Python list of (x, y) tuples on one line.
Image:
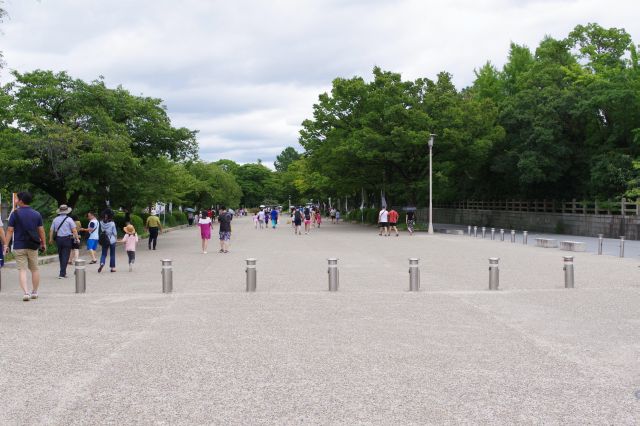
[(571, 218)]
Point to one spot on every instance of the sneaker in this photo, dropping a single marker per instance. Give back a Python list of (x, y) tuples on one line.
[(130, 267), (34, 294), (61, 277), (100, 268), (204, 252), (26, 297), (113, 270)]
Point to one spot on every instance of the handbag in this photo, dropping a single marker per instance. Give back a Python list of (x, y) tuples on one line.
[(60, 226), (33, 237)]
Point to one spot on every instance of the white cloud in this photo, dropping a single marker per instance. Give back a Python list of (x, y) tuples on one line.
[(247, 73)]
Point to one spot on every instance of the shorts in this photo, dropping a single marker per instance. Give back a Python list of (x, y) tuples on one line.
[(383, 224), (307, 221), (92, 245), (225, 236), (393, 223), (26, 259), (297, 222)]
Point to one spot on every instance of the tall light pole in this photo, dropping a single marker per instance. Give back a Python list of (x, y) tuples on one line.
[(431, 136)]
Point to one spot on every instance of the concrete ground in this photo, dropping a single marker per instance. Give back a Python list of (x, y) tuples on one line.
[(372, 353)]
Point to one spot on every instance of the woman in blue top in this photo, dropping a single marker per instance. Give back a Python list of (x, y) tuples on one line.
[(109, 228)]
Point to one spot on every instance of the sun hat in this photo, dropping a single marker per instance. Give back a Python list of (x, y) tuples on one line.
[(64, 209), (153, 212), (129, 229)]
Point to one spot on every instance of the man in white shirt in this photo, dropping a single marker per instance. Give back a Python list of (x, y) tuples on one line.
[(383, 221), (261, 217), (92, 242)]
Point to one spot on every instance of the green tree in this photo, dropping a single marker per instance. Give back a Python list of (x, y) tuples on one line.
[(286, 157)]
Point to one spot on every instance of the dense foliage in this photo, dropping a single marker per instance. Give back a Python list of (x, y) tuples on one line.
[(560, 122)]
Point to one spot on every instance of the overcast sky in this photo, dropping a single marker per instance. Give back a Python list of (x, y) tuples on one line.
[(246, 73)]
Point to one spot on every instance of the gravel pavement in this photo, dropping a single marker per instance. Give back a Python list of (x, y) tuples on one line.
[(293, 353)]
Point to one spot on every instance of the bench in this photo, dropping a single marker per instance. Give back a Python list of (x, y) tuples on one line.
[(573, 246), (546, 243)]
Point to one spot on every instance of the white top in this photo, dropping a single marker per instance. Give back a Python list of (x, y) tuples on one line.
[(260, 215), (94, 234), (1, 225), (384, 214), (204, 220)]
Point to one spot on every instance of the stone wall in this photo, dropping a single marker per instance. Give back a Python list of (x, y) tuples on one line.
[(612, 226)]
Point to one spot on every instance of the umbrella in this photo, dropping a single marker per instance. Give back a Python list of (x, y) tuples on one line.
[(262, 206), (231, 211), (189, 209)]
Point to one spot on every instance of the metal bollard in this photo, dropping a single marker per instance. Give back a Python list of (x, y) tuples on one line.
[(332, 271), (414, 274), (484, 231), (502, 235), (475, 232), (469, 229), (600, 240), (513, 236), (525, 234), (568, 271), (81, 275), (622, 246), (251, 274), (494, 273), (167, 276), (493, 234)]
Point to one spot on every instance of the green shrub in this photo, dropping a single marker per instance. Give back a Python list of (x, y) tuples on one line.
[(180, 217), (137, 223)]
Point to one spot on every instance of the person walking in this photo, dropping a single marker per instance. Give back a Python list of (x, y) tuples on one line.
[(307, 220), (92, 242), (383, 221), (63, 230), (75, 247), (108, 236), (206, 225), (318, 218), (26, 226), (130, 240), (261, 218), (190, 218), (332, 213), (393, 221), (337, 216), (274, 218), (410, 219), (297, 222), (225, 229), (154, 227)]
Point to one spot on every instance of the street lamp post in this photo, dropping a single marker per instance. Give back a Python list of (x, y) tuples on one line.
[(431, 136)]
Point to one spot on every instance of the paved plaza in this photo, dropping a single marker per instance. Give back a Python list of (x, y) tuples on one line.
[(293, 353)]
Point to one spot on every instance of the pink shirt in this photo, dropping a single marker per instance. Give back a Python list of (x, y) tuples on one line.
[(130, 241)]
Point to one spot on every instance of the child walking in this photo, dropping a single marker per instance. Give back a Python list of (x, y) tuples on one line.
[(130, 240)]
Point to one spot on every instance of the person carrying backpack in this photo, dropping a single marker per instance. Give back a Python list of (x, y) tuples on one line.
[(108, 236), (64, 232)]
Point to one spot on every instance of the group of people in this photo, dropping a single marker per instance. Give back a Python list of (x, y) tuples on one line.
[(264, 216), (388, 221), (206, 220), (26, 230)]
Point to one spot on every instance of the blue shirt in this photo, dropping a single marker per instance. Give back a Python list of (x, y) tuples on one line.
[(274, 214), (64, 224), (29, 219)]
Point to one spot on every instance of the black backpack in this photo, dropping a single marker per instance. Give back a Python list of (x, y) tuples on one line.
[(103, 238)]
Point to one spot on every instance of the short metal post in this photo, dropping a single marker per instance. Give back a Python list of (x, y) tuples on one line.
[(251, 274), (414, 274), (513, 236), (502, 235), (484, 231), (622, 246), (475, 232), (469, 229), (81, 275), (525, 234), (568, 271), (332, 271), (494, 273), (600, 240), (167, 276), (493, 234)]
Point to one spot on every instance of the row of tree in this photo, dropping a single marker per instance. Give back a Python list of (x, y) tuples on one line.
[(562, 121)]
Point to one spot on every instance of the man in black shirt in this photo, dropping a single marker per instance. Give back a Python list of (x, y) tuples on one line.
[(225, 229)]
